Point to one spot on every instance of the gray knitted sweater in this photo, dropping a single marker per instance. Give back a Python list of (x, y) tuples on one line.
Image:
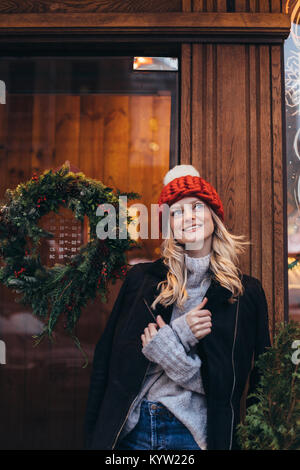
[(174, 377)]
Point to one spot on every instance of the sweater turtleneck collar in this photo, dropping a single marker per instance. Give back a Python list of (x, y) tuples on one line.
[(197, 268)]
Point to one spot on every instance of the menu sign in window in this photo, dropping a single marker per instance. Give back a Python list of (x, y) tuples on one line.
[(68, 237)]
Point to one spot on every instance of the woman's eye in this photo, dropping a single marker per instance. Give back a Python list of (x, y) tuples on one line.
[(176, 213)]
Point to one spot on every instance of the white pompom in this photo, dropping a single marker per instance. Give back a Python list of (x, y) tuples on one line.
[(180, 170)]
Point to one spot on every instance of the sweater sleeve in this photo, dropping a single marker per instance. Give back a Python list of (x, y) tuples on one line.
[(184, 332), (166, 349)]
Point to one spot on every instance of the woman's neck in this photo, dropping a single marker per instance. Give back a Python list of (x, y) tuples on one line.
[(197, 268)]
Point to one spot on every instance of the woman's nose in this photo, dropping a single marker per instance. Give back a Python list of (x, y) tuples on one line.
[(189, 211), (189, 216)]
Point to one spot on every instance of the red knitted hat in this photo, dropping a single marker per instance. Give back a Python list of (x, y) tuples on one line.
[(183, 181)]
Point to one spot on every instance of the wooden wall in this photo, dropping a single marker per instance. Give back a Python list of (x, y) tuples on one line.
[(254, 6), (149, 6), (233, 132), (232, 129)]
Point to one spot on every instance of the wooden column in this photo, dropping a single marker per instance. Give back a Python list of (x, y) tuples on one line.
[(232, 130)]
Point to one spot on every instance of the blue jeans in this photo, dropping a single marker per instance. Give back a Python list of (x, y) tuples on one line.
[(157, 429)]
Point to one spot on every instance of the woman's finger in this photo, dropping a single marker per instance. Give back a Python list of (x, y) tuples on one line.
[(152, 329), (201, 313), (201, 333), (200, 321), (147, 334), (160, 321), (202, 327)]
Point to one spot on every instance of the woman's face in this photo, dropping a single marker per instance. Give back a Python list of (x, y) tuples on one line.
[(192, 223)]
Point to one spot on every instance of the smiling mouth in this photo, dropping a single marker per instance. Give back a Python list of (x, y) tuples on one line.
[(193, 229)]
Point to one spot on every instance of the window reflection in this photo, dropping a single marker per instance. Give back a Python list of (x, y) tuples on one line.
[(155, 63), (116, 125), (292, 104)]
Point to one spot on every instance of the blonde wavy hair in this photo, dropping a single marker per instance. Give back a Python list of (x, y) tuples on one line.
[(224, 265)]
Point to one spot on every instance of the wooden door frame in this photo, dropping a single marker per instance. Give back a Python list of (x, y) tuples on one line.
[(148, 27)]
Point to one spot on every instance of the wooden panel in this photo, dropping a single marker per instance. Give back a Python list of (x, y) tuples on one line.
[(160, 135), (199, 5), (199, 113), (263, 6), (276, 25), (141, 147), (209, 113), (130, 6), (73, 6), (254, 155), (241, 5), (116, 135), (185, 121), (253, 6), (210, 5), (187, 5), (231, 137), (204, 93), (279, 165), (19, 154), (266, 174), (221, 5), (67, 112), (236, 139), (91, 135), (276, 6), (43, 136)]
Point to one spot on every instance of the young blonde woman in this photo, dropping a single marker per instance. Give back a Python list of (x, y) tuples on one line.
[(170, 368)]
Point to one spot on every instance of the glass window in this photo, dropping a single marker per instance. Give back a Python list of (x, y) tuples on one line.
[(118, 125), (292, 106)]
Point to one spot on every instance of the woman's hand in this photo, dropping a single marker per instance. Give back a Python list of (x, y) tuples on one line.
[(151, 330), (199, 320)]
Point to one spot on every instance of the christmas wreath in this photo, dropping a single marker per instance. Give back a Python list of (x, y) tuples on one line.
[(60, 291)]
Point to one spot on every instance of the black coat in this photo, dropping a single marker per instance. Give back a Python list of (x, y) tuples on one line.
[(239, 331)]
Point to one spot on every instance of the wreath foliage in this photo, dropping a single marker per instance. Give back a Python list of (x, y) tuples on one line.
[(63, 290)]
